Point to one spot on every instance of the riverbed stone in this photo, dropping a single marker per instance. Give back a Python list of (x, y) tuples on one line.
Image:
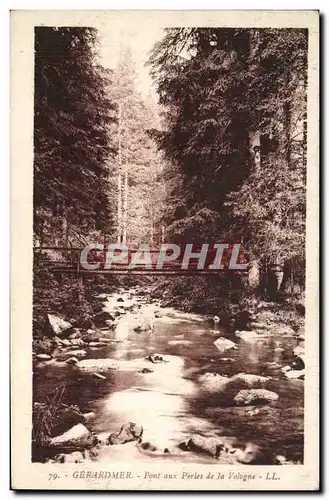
[(250, 379), (66, 343), (72, 361), (128, 432), (247, 336), (78, 353), (77, 437), (76, 334), (98, 344), (43, 357), (212, 445), (144, 326), (247, 397), (213, 382), (224, 344), (98, 365), (58, 325), (101, 318), (77, 342), (295, 374)]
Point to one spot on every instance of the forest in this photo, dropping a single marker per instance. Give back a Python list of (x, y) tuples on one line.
[(214, 153), (220, 157)]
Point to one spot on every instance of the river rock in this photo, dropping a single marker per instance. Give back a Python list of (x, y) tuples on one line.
[(79, 353), (155, 358), (180, 342), (92, 336), (247, 336), (102, 317), (210, 445), (145, 326), (213, 382), (145, 370), (224, 344), (120, 299), (250, 379), (247, 397), (285, 330), (78, 342), (72, 361), (298, 362), (248, 455), (57, 341), (295, 374), (242, 319), (77, 437), (98, 344), (66, 343), (98, 365), (43, 357), (128, 432), (89, 416), (57, 324), (77, 457), (258, 326), (75, 335)]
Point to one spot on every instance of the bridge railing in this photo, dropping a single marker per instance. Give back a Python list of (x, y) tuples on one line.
[(68, 260)]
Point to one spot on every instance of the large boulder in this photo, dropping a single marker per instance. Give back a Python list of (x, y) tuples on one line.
[(58, 325), (247, 397), (224, 344), (128, 432), (78, 437)]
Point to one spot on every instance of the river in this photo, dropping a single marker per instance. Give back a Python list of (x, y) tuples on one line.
[(170, 402)]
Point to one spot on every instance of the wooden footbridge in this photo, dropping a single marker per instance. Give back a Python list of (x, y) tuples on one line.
[(60, 259)]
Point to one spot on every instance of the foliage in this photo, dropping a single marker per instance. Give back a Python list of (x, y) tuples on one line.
[(218, 88), (71, 130)]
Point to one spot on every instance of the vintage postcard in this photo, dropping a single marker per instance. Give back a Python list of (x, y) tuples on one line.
[(164, 212)]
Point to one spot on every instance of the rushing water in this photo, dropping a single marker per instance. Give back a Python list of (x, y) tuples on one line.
[(170, 402)]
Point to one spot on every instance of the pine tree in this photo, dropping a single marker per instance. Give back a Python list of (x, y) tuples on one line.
[(72, 144)]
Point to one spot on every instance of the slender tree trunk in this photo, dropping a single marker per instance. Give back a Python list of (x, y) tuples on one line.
[(119, 177), (125, 205)]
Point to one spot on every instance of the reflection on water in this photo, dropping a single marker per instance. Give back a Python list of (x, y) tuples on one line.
[(169, 402)]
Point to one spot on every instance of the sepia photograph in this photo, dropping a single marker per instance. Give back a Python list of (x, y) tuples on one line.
[(169, 204)]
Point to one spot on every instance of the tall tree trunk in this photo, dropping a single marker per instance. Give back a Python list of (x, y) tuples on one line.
[(119, 177), (125, 205)]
